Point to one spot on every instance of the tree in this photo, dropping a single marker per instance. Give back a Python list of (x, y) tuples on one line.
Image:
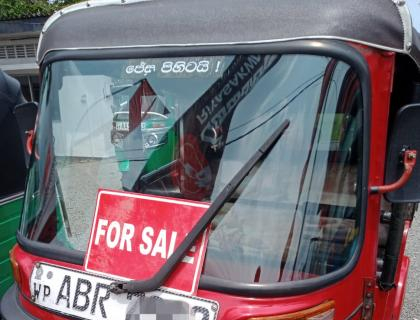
[(20, 9)]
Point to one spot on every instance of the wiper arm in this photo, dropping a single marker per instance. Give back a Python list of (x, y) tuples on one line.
[(158, 280)]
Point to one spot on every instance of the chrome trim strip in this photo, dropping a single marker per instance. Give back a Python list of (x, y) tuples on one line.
[(11, 198), (39, 60), (406, 23), (354, 312)]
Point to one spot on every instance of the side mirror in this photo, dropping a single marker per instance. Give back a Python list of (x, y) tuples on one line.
[(401, 166), (25, 115)]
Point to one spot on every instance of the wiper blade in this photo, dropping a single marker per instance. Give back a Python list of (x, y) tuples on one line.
[(136, 286)]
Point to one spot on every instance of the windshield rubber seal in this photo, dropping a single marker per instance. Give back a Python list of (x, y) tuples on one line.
[(331, 48)]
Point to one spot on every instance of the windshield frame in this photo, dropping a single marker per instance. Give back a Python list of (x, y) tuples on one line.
[(335, 49)]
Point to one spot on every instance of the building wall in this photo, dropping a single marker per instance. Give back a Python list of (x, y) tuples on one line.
[(85, 102), (18, 45)]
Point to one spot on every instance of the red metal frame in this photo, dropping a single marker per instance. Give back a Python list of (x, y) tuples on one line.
[(401, 281), (348, 293)]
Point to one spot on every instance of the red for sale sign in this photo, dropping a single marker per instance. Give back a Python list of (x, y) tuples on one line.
[(133, 235)]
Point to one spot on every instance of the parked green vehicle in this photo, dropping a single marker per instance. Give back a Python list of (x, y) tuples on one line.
[(12, 174)]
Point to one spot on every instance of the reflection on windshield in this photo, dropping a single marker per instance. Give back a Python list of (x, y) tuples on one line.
[(183, 127)]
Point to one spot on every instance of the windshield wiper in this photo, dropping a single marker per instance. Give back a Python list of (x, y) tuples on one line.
[(136, 286)]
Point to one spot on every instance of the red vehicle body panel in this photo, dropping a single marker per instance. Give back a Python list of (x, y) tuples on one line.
[(402, 277), (348, 292)]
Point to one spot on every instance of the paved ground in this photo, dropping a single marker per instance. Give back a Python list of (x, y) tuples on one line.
[(411, 310), (88, 175)]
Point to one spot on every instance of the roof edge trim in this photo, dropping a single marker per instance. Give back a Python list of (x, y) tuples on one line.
[(405, 15), (80, 6)]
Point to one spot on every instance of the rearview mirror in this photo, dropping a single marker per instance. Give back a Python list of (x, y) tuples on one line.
[(405, 134), (25, 115)]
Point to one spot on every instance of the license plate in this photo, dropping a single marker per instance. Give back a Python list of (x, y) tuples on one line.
[(87, 296), (122, 125)]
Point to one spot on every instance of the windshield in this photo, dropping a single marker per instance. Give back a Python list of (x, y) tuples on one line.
[(182, 128)]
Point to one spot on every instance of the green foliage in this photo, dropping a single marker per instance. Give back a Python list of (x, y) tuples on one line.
[(19, 9)]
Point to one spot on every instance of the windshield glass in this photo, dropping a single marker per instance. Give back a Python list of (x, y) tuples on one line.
[(183, 127)]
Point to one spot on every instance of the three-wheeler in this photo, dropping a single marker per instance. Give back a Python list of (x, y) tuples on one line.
[(283, 186)]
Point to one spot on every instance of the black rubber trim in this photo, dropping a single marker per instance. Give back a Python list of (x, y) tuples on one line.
[(331, 48), (50, 251), (10, 308)]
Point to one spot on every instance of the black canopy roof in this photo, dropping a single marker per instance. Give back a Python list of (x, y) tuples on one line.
[(383, 24)]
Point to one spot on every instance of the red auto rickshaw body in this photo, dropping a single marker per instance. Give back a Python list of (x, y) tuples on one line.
[(356, 295)]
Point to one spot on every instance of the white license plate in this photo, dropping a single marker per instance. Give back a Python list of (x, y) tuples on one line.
[(121, 125), (87, 296)]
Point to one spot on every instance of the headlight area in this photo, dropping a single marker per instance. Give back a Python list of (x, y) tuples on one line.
[(15, 267), (154, 139)]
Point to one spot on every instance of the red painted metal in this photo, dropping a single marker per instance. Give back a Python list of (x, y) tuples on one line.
[(231, 307), (368, 299), (348, 293), (381, 66), (29, 141), (402, 275), (409, 163)]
